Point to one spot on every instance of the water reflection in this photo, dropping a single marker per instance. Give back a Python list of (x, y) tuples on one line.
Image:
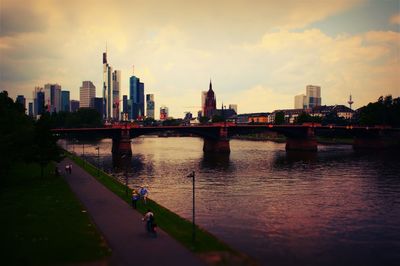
[(290, 158), (216, 161)]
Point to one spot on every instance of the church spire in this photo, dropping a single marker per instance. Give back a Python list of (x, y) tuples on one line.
[(210, 85)]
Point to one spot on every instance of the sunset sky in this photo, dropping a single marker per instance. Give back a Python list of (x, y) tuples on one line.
[(259, 54)]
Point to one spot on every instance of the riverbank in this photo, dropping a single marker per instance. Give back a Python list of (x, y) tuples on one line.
[(208, 247), (43, 222)]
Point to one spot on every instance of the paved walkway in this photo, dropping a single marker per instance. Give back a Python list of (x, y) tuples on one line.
[(122, 226)]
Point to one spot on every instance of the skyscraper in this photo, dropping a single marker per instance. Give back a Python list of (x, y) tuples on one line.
[(107, 89), (136, 95), (163, 113), (150, 105), (211, 103), (65, 101), (97, 103), (52, 97), (86, 93), (313, 95), (30, 109), (74, 105), (116, 81), (300, 101), (21, 100), (124, 113), (38, 101)]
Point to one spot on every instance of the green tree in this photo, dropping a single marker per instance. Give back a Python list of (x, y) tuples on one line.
[(84, 117), (334, 119), (303, 118), (172, 122), (203, 119), (279, 118), (217, 118), (15, 133), (386, 111), (149, 121), (45, 147)]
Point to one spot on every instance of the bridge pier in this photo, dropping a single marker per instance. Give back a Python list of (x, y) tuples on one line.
[(216, 145), (219, 144), (307, 142), (121, 145)]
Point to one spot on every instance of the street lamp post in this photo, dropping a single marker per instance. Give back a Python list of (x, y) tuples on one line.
[(193, 176), (126, 175), (98, 161), (83, 153)]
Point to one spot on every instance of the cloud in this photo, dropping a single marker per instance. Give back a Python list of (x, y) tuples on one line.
[(395, 19), (262, 49), (16, 18)]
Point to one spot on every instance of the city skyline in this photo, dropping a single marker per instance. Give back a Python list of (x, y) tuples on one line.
[(259, 56)]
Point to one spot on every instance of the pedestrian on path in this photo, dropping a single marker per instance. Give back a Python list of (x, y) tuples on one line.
[(150, 224), (144, 193), (135, 198), (70, 169), (67, 168)]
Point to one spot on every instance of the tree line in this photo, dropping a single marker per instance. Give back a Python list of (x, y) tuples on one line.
[(23, 139), (385, 111)]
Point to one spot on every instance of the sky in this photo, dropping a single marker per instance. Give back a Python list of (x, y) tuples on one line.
[(259, 54)]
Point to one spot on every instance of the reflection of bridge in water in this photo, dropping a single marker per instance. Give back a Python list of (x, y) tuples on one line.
[(216, 137)]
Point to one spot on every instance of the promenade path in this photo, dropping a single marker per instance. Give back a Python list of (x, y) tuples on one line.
[(122, 227)]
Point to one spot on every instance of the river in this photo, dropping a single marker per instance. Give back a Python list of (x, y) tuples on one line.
[(333, 207)]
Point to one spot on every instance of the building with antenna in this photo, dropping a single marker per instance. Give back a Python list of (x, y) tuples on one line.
[(107, 89), (350, 101)]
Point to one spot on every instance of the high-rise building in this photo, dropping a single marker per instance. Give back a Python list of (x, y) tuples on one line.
[(313, 95), (150, 105), (107, 88), (136, 95), (163, 113), (300, 101), (124, 112), (38, 101), (125, 104), (65, 101), (233, 107), (211, 103), (203, 102), (116, 81), (74, 105), (86, 93), (21, 100), (52, 97), (30, 109), (97, 103)]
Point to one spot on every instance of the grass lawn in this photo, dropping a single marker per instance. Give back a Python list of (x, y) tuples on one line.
[(43, 223)]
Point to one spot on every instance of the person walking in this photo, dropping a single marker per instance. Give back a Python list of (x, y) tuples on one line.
[(67, 168), (70, 169), (144, 193), (150, 224), (135, 198)]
